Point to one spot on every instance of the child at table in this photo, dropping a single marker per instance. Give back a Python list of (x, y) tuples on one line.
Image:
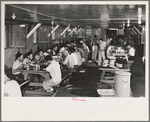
[(55, 73)]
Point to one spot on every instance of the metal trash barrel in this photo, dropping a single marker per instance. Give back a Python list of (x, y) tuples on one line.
[(122, 83)]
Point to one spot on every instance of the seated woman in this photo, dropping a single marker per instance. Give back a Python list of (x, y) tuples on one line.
[(28, 59), (18, 65), (55, 73), (54, 50), (131, 51)]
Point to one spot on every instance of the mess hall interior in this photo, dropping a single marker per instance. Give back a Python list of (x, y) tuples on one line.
[(74, 50)]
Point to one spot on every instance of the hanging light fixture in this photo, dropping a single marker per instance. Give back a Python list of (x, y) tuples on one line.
[(52, 24), (123, 24), (139, 15), (13, 16)]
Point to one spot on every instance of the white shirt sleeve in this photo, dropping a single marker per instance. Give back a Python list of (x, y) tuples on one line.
[(66, 60), (131, 52)]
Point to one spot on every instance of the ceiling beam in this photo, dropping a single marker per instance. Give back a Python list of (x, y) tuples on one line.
[(65, 30), (137, 30), (33, 30), (53, 17), (53, 30)]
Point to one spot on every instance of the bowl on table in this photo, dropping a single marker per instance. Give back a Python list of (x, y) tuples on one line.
[(119, 65)]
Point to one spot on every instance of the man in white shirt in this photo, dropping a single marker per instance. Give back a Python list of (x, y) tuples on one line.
[(69, 60), (131, 52), (101, 52), (55, 73)]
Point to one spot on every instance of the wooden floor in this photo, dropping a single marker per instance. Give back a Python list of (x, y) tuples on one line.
[(84, 83)]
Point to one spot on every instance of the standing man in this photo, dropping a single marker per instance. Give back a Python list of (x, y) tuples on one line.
[(94, 45), (101, 52)]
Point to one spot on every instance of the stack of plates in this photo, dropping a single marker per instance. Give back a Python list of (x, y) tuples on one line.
[(107, 92)]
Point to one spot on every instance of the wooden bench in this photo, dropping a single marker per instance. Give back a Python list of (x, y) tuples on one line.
[(37, 93)]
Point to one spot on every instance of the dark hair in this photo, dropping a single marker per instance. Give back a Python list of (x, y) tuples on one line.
[(79, 46), (18, 55), (48, 48), (101, 39), (95, 36), (54, 46), (40, 50), (48, 58), (112, 43), (72, 49), (128, 43), (27, 54)]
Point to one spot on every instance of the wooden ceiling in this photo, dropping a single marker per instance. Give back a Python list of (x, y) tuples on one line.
[(75, 15)]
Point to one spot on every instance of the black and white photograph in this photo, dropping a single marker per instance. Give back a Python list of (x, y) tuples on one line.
[(63, 58)]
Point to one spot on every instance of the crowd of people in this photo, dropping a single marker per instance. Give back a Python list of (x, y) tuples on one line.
[(102, 49), (71, 57)]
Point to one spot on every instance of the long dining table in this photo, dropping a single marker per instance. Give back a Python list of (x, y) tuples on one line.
[(104, 70), (43, 73)]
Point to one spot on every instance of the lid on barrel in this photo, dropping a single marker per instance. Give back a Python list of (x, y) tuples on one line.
[(122, 73)]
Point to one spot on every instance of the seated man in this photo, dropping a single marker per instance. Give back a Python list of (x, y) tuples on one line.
[(54, 50), (131, 51), (55, 73), (72, 50), (78, 56), (48, 52), (69, 61)]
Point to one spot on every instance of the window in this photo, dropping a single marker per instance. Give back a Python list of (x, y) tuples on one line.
[(17, 36), (43, 31)]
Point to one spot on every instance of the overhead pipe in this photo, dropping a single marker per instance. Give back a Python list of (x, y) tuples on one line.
[(53, 30), (33, 30), (65, 30), (137, 30)]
